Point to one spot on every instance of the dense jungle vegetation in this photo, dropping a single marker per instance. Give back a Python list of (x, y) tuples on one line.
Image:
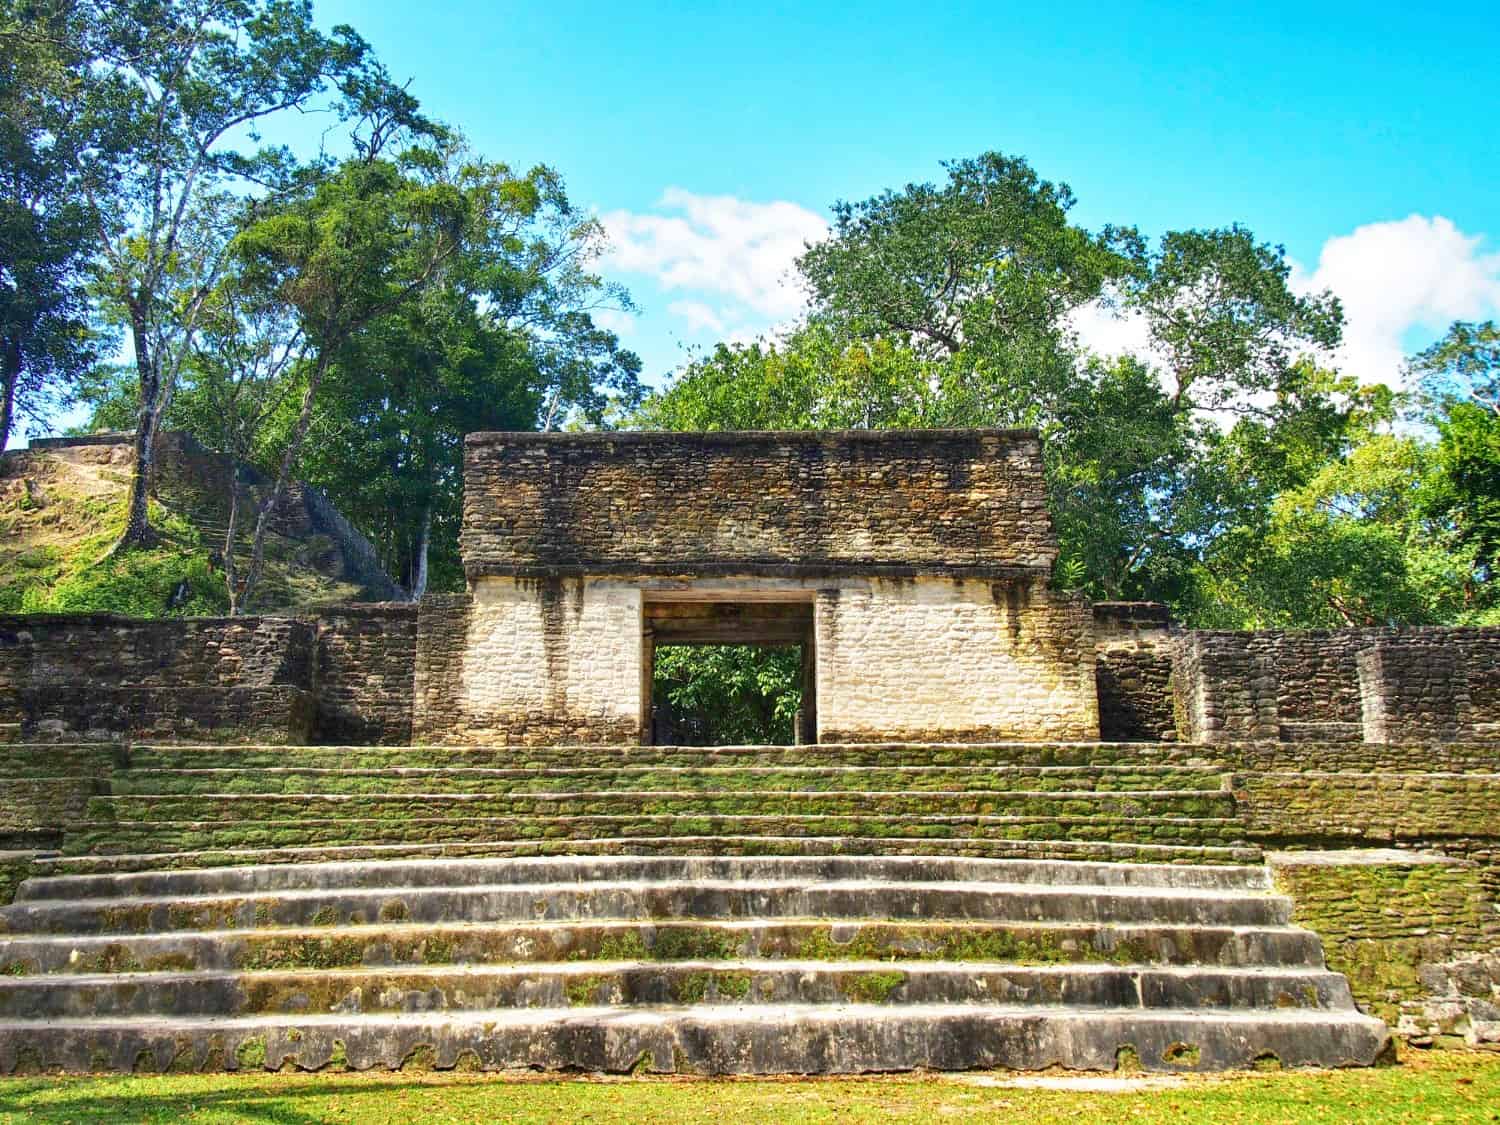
[(345, 315)]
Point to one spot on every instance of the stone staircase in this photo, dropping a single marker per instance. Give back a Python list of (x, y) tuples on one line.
[(682, 964), (728, 910), (188, 805)]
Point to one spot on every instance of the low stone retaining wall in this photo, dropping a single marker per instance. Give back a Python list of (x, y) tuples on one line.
[(341, 676), (1414, 932)]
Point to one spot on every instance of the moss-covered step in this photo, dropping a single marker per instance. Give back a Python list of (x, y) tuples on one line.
[(234, 807), (996, 848), (488, 943), (610, 757), (41, 760), (203, 836), (496, 780), (634, 868), (707, 1039), (635, 983), (666, 899)]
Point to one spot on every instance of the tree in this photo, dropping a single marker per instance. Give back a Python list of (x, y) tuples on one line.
[(45, 224), (1458, 385), (979, 273), (166, 89), (505, 340), (354, 246), (728, 694), (813, 379), (1224, 322), (1464, 366)]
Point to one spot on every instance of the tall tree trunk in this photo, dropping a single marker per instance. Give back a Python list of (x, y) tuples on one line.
[(10, 371), (419, 579), (283, 474), (231, 578), (138, 530)]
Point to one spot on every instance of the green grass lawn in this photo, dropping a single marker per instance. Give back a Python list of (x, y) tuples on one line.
[(1427, 1087)]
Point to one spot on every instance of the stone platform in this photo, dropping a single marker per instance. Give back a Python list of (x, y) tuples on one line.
[(728, 910), (814, 964)]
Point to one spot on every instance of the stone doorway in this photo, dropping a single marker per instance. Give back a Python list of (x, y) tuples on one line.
[(699, 621)]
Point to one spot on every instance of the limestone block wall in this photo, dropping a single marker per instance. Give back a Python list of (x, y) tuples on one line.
[(345, 676), (1308, 686), (1134, 645), (783, 504), (1411, 693), (363, 674), (1391, 921), (103, 649), (953, 660), (532, 661), (1315, 806)]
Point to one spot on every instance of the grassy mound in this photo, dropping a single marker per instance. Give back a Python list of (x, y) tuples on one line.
[(61, 511)]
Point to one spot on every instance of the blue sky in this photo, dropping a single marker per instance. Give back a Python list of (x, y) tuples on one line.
[(713, 137)]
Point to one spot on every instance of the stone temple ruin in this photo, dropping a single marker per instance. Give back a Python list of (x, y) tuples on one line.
[(1016, 829)]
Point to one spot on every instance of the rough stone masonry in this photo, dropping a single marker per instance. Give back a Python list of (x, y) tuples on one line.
[(911, 567), (925, 557)]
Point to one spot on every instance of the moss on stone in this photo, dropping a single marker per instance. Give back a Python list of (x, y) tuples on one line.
[(583, 992), (687, 943), (251, 1053), (874, 988), (1381, 922), (1183, 1055)]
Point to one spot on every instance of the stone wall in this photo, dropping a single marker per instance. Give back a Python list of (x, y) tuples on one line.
[(942, 660), (1309, 686), (345, 676), (791, 504), (439, 713), (1314, 807), (103, 649), (1391, 922), (531, 661), (1133, 647), (363, 674)]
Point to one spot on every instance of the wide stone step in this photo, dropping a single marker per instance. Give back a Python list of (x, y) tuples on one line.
[(611, 757), (487, 943), (464, 872), (631, 983), (850, 899), (308, 831), (233, 807), (1065, 850), (706, 1039), (495, 780)]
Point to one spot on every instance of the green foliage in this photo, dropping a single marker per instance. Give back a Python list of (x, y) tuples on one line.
[(979, 271), (727, 694), (1466, 486), (46, 224), (501, 341), (1218, 469), (173, 580)]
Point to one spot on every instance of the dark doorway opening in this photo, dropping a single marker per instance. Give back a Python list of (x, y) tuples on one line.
[(728, 673)]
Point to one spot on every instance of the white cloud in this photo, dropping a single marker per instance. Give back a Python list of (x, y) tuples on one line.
[(698, 315), (1110, 331), (1417, 273), (720, 245), (619, 322)]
